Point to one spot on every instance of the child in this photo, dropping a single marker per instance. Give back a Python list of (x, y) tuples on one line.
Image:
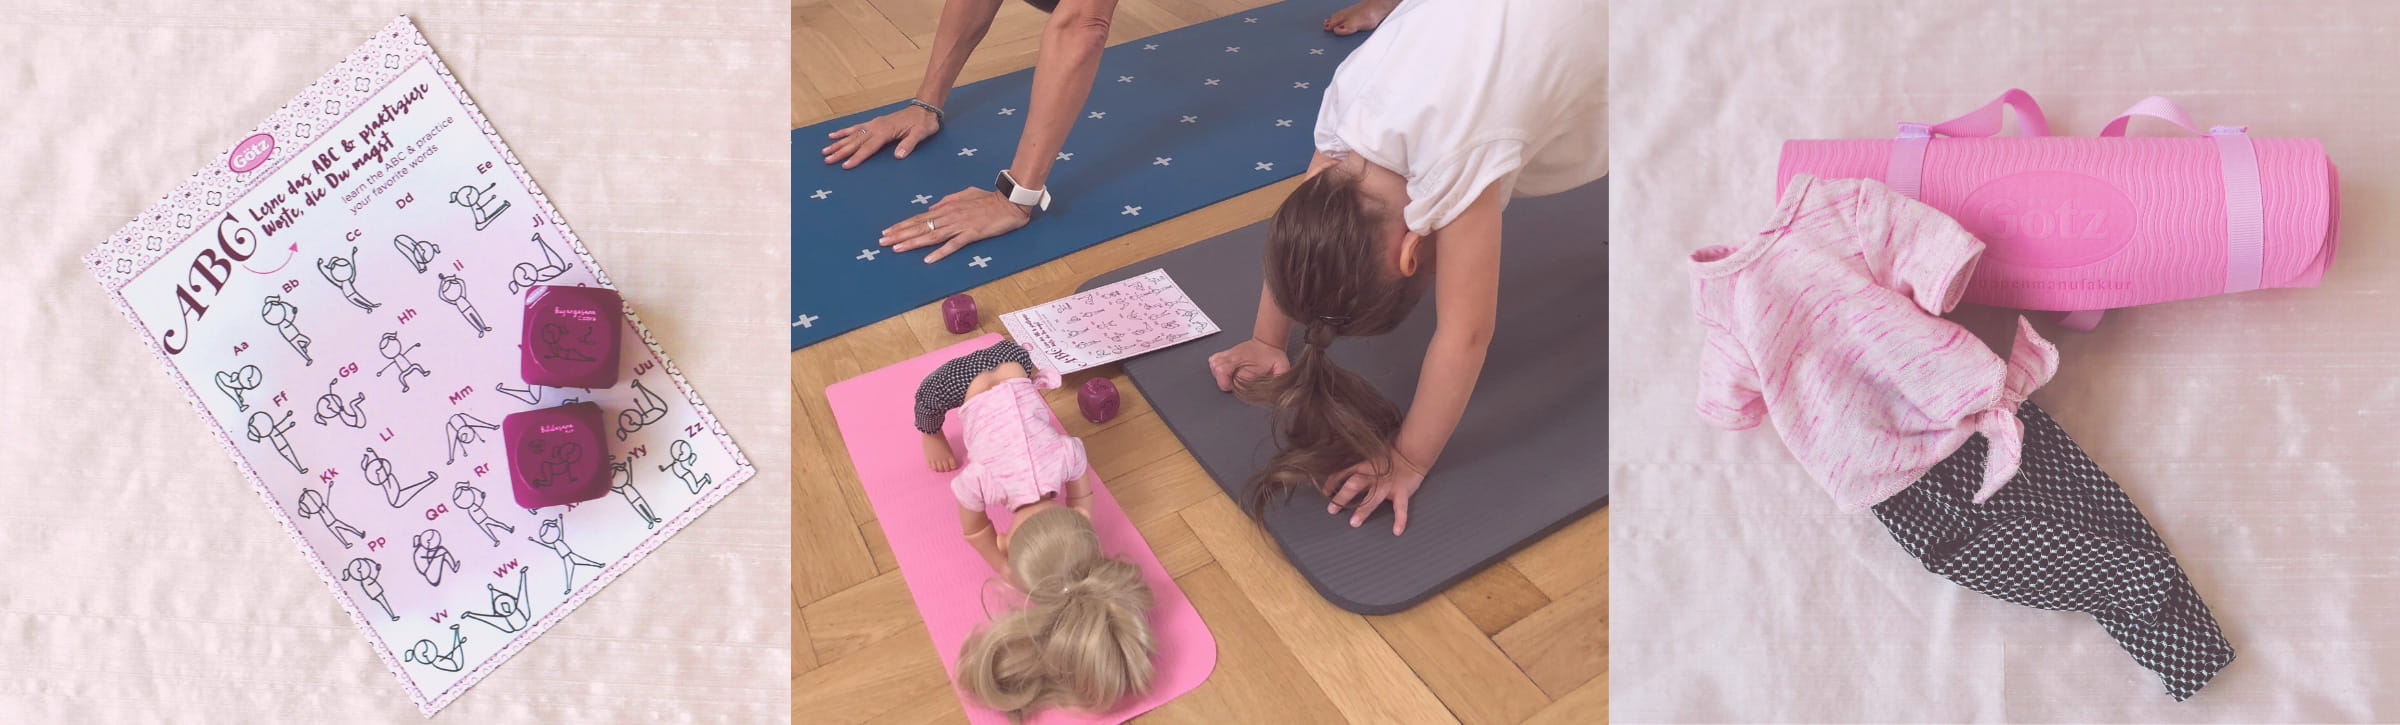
[(1083, 639), (1426, 131)]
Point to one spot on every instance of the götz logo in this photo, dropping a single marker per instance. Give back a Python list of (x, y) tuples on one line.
[(2051, 219)]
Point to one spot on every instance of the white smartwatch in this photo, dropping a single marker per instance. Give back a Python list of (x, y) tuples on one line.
[(1039, 199)]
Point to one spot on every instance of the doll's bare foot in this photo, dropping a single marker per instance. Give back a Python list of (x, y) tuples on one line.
[(1360, 17), (937, 453)]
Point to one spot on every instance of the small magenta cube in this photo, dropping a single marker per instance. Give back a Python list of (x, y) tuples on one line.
[(570, 338), (556, 455), (1098, 400), (958, 313)]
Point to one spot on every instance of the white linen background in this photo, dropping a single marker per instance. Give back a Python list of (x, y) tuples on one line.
[(2255, 430), (140, 578)]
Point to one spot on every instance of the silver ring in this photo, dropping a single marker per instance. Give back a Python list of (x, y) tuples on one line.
[(929, 225)]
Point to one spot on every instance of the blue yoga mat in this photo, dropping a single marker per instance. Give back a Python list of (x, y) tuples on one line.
[(1176, 121)]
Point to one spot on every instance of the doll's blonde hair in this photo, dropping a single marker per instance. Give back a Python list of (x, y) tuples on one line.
[(1083, 639)]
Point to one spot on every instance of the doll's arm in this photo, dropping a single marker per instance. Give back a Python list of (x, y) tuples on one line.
[(978, 530), (1079, 492), (1466, 298)]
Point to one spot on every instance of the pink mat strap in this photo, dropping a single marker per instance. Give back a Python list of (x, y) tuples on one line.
[(1907, 167), (2245, 230)]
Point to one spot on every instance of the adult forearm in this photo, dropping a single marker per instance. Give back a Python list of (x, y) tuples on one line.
[(1453, 361), (1062, 80), (961, 28)]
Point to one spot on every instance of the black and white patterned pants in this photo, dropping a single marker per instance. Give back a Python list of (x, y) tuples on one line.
[(946, 387), (2061, 535)]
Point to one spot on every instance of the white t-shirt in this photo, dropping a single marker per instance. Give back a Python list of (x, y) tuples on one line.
[(1458, 95)]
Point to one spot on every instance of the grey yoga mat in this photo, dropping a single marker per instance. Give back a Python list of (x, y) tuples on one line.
[(1529, 457)]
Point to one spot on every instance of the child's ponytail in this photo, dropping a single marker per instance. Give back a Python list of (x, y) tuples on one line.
[(1326, 267)]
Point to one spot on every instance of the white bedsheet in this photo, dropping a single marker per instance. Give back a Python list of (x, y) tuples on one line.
[(2255, 431), (142, 581)]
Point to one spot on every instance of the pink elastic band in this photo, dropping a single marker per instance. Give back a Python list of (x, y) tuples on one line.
[(2245, 231), (1906, 170)]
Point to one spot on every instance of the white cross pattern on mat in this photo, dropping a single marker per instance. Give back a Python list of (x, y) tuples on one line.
[(1249, 20), (1149, 46), (868, 254), (1209, 82), (806, 321), (966, 152), (1191, 119), (821, 193), (923, 199), (1233, 49), (1131, 211), (1162, 161), (1316, 51), (1283, 123), (1097, 114), (1124, 79), (1066, 156), (1299, 84), (1008, 112), (980, 262), (1265, 166)]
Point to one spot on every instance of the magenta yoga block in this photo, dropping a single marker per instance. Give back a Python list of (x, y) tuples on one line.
[(556, 455), (570, 336), (1098, 400), (958, 313)]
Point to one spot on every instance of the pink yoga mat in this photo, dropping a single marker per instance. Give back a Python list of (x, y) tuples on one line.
[(950, 582), (2098, 223)]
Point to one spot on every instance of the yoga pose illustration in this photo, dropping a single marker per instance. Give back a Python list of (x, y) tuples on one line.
[(552, 335), (620, 480), (396, 355), (330, 406), (364, 570), (313, 506), (553, 534), (419, 254), (378, 471), (423, 653), (432, 556), (558, 468), (462, 430), (266, 428), (470, 500), (238, 381), (526, 275), (484, 205), (531, 394), (343, 273), (454, 291), (508, 610), (286, 318), (647, 409), (681, 452)]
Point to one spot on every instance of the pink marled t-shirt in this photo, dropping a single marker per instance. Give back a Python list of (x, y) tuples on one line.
[(1015, 454), (1828, 325)]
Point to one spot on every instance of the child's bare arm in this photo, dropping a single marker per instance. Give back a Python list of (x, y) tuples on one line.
[(978, 530), (1466, 299)]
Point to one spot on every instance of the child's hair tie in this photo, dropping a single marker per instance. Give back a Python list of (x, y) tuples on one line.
[(1334, 320)]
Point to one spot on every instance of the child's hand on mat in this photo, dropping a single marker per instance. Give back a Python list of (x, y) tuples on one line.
[(1251, 360), (908, 126), (960, 219), (1398, 482), (937, 453)]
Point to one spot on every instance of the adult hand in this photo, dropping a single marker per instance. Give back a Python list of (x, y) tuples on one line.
[(1250, 360), (1396, 484), (907, 126), (960, 219)]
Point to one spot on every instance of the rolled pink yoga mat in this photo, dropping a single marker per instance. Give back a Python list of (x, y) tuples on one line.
[(948, 579), (2087, 224)]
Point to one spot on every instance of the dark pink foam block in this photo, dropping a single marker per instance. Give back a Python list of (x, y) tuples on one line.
[(947, 578), (570, 336), (556, 455), (1097, 398), (958, 313)]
